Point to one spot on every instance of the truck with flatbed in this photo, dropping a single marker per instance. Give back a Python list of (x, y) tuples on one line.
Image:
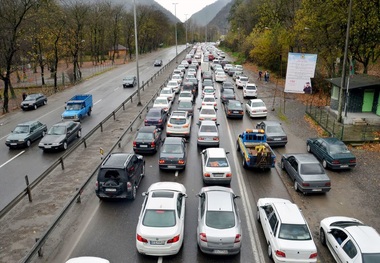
[(78, 107), (255, 150)]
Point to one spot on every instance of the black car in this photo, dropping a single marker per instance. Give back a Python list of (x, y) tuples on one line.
[(129, 81), (227, 85), (157, 63), (231, 71), (25, 133), (60, 135), (234, 109), (156, 117), (274, 132), (147, 140), (173, 154), (119, 176), (227, 94), (33, 101), (186, 106)]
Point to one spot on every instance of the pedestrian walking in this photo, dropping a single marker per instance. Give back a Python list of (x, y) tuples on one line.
[(266, 76), (260, 75)]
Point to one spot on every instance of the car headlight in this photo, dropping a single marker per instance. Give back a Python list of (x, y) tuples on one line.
[(56, 143), (21, 140)]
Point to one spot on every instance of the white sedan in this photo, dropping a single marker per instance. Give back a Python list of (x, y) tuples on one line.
[(186, 95), (163, 103), (208, 90), (256, 108), (220, 77), (178, 78), (168, 93), (207, 113), (349, 240), (174, 85), (209, 100), (160, 229)]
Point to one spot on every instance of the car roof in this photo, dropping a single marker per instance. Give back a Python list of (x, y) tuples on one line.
[(287, 211), (173, 140), (366, 237), (116, 160), (63, 123), (147, 129), (256, 100), (27, 123), (305, 158), (156, 109), (218, 200), (216, 152)]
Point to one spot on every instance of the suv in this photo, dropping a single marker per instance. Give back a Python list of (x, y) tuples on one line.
[(120, 175), (250, 90)]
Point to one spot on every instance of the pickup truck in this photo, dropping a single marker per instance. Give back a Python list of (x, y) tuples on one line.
[(255, 150), (78, 107)]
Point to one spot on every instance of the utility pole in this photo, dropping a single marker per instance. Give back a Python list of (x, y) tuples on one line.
[(176, 49)]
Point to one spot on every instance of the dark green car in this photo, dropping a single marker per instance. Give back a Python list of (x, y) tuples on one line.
[(26, 133)]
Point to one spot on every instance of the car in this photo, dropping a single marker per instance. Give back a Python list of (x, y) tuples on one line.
[(286, 231), (25, 133), (274, 132), (216, 168), (208, 90), (219, 228), (227, 85), (249, 90), (214, 63), (161, 223), (220, 77), (208, 134), (186, 95), (236, 74), (188, 58), (186, 106), (227, 66), (191, 78), (60, 135), (207, 82), (119, 176), (129, 81), (173, 154), (227, 94), (240, 81), (217, 67), (231, 71), (306, 172), (192, 71), (179, 124), (350, 240), (207, 75), (234, 109), (333, 153), (162, 102), (207, 113), (256, 108), (209, 99), (33, 101), (239, 67), (177, 71), (156, 117), (158, 63), (147, 139), (182, 68), (190, 86), (174, 85), (178, 78), (87, 260), (185, 63), (168, 93)]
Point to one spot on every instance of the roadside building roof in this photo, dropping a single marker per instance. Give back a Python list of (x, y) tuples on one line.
[(358, 81)]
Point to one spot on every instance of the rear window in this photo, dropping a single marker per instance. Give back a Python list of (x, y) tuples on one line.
[(154, 114), (177, 121), (144, 136), (294, 232), (312, 168), (209, 99), (258, 104), (220, 219), (217, 162), (208, 128), (243, 79), (186, 95), (159, 218), (208, 111), (172, 148), (251, 87)]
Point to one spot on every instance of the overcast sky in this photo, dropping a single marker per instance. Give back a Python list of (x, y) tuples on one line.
[(183, 7)]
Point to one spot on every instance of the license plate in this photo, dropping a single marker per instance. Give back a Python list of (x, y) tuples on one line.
[(218, 175), (277, 139), (317, 190), (235, 111), (344, 166), (13, 143), (171, 166), (110, 190), (157, 242), (25, 106), (144, 146), (47, 146), (220, 251)]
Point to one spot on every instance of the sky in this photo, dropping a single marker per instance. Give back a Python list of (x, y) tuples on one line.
[(184, 7)]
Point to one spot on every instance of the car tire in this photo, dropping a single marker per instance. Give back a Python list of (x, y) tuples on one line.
[(270, 251), (134, 191), (295, 186), (35, 106), (45, 102), (43, 133), (308, 148), (28, 143), (79, 133), (258, 214), (89, 112), (322, 236), (324, 164), (64, 146)]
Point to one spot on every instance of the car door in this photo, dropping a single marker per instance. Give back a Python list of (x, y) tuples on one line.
[(248, 106), (319, 148), (181, 212), (289, 166), (33, 132), (335, 239), (70, 132), (39, 130), (265, 215), (201, 211)]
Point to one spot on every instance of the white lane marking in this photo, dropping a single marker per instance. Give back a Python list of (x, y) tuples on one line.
[(176, 174), (115, 89), (97, 101), (251, 221), (160, 260), (14, 157)]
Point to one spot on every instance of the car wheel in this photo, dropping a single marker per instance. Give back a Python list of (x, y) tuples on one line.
[(134, 190), (258, 214), (43, 133), (282, 165), (79, 133), (308, 148), (269, 250), (237, 147), (35, 106), (295, 185), (28, 142), (45, 102), (65, 145), (322, 236), (245, 164), (324, 164)]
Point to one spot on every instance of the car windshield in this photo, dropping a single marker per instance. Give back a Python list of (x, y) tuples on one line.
[(274, 129), (159, 218), (172, 148), (153, 114), (208, 91), (294, 232), (220, 219), (177, 121), (21, 129), (338, 148), (128, 78), (208, 112), (208, 128), (31, 97), (234, 105), (258, 104), (74, 107), (144, 136), (217, 162), (57, 130), (312, 168), (371, 257)]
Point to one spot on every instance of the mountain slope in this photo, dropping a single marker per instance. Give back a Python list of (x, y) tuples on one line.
[(204, 16), (220, 20)]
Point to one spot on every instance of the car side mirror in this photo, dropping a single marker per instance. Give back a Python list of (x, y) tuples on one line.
[(236, 196), (144, 194), (227, 152)]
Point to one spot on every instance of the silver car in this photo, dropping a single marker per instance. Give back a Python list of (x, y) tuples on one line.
[(274, 132), (219, 225), (208, 134)]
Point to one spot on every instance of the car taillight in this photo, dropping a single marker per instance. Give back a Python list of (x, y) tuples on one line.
[(185, 126), (169, 125), (160, 120), (228, 174), (173, 240), (141, 239), (353, 161), (153, 144), (237, 238), (206, 174), (96, 184), (214, 119), (200, 118), (134, 144), (203, 237), (215, 104), (215, 139), (146, 121), (181, 161), (161, 161), (166, 109), (328, 184), (305, 184), (264, 110), (129, 186), (229, 112), (281, 254), (314, 255), (335, 162)]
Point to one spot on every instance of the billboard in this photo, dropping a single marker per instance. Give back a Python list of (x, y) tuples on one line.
[(301, 67)]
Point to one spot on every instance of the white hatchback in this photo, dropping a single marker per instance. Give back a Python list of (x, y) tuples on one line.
[(160, 229), (216, 168), (256, 108), (250, 90)]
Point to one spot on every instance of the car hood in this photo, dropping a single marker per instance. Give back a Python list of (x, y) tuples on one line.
[(70, 113), (52, 138), (17, 136)]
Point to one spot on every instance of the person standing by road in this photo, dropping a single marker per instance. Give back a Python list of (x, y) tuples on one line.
[(260, 75)]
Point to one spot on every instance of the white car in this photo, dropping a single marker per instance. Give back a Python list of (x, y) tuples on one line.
[(208, 134), (208, 90), (192, 71), (185, 63), (178, 78), (220, 77), (216, 168), (227, 67), (209, 99), (240, 81), (161, 224), (168, 93), (217, 67), (87, 260), (179, 124), (174, 85), (250, 90), (239, 67), (256, 108), (207, 113), (186, 95), (177, 71), (163, 103), (182, 68), (286, 231), (349, 240)]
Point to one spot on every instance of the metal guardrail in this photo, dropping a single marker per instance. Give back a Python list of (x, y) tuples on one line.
[(40, 242)]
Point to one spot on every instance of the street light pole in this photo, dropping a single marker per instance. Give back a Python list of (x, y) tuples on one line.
[(137, 55), (176, 49)]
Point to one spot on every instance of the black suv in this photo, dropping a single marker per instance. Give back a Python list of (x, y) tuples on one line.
[(120, 175)]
